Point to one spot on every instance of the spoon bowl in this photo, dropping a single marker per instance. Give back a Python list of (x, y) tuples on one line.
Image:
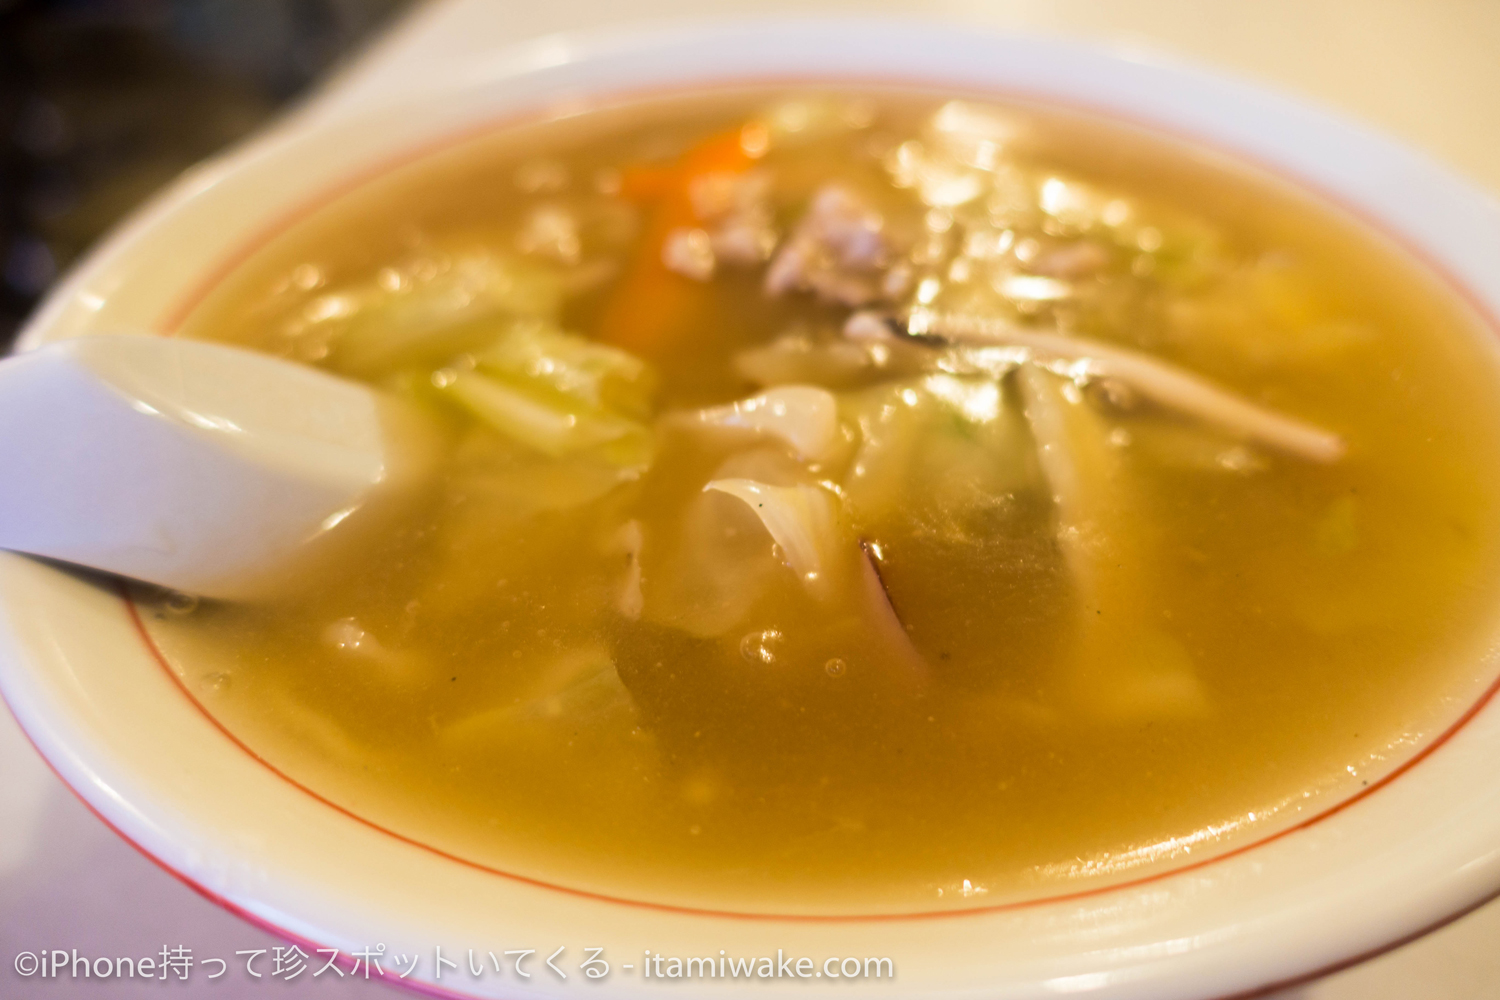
[(201, 468)]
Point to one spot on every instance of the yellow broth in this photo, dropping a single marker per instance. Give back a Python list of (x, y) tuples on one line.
[(1263, 636)]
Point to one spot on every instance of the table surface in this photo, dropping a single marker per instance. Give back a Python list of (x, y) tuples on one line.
[(1424, 71)]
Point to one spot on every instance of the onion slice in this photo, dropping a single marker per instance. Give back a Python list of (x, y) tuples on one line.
[(805, 417), (802, 520), (883, 620)]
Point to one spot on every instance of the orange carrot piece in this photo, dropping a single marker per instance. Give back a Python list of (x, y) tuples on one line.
[(653, 307), (647, 184)]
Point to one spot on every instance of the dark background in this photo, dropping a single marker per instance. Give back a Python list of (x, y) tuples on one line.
[(103, 101)]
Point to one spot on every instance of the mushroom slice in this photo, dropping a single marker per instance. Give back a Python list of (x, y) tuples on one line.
[(1163, 383)]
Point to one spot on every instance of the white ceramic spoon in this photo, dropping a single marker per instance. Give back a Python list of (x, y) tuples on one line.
[(204, 468)]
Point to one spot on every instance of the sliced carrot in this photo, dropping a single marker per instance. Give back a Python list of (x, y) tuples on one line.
[(647, 184), (652, 307), (722, 152)]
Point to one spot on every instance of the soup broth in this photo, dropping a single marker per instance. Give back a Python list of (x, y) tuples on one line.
[(866, 502)]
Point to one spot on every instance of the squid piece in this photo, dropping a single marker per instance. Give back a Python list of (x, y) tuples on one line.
[(1101, 531), (1162, 383), (804, 417)]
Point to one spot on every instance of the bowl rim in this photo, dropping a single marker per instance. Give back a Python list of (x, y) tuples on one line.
[(276, 147)]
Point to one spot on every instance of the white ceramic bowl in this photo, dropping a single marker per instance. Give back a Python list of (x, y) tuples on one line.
[(1419, 848)]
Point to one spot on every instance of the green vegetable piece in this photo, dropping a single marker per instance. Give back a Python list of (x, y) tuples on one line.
[(592, 373), (554, 426), (428, 321)]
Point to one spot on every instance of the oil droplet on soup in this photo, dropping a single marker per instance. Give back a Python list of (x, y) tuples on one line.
[(867, 502)]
